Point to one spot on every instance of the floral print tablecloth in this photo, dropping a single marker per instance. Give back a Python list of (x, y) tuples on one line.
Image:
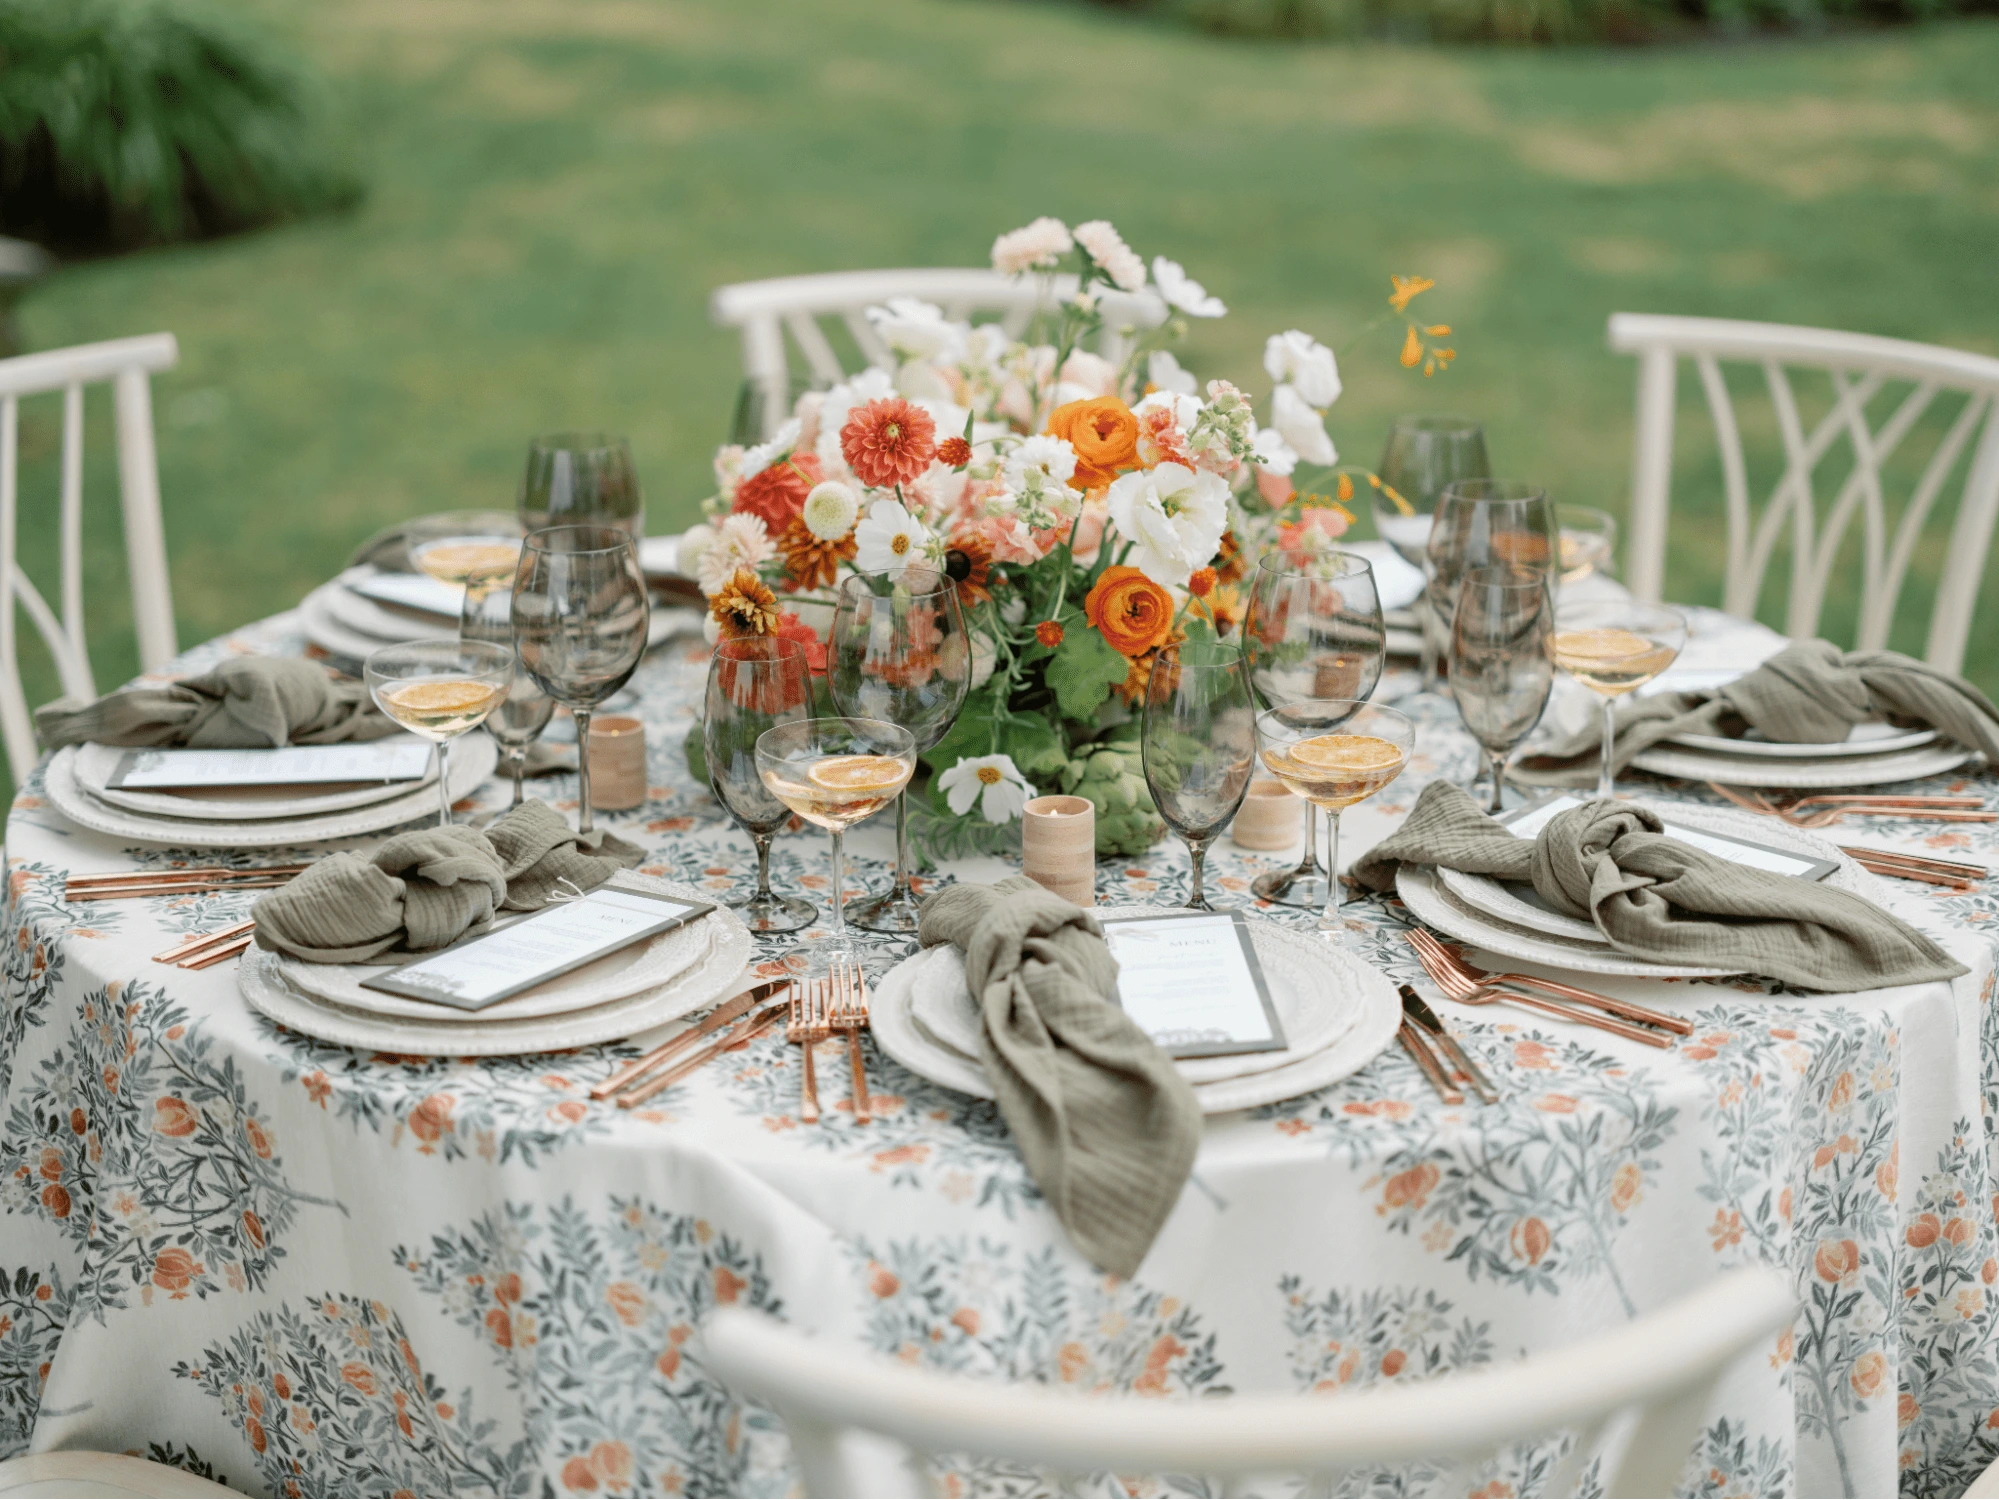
[(306, 1270)]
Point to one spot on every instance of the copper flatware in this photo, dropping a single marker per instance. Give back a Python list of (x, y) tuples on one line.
[(849, 1013), (1627, 1009), (1426, 1061), (1958, 868), (1456, 979), (746, 1030), (236, 937), (720, 1016), (805, 1028), (188, 888), (1833, 807), (1414, 1009)]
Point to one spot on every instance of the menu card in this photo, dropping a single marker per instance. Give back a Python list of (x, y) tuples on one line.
[(481, 971), (412, 591), (1530, 820), (1192, 983), (402, 757)]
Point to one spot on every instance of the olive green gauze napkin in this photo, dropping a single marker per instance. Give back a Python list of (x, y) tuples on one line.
[(249, 703), (1809, 693), (1656, 898), (1105, 1122)]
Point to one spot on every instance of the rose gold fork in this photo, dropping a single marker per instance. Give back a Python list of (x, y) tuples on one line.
[(806, 1028), (1462, 982), (850, 1014), (1928, 809)]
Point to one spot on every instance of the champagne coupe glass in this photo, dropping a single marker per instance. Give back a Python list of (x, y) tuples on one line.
[(1500, 669), (1334, 752), (438, 690), (517, 722), (476, 550), (1480, 522), (1422, 457), (1587, 541), (580, 616), (1311, 631), (1612, 647), (1199, 744), (581, 479), (898, 652), (834, 773), (755, 683)]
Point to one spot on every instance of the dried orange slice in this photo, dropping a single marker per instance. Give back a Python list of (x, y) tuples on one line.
[(1346, 752), (451, 696), (1611, 645), (857, 773)]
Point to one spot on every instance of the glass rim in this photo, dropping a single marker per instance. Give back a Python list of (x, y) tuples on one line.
[(580, 441), (433, 647), (1652, 608), (1432, 424), (483, 512), (1355, 708), (1263, 564), (769, 648), (1236, 656), (1573, 508), (624, 543), (1516, 491), (811, 726), (946, 584)]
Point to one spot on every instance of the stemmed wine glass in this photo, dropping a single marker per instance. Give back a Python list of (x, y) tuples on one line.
[(1612, 647), (1500, 669), (755, 683), (581, 479), (1199, 744), (517, 721), (438, 690), (835, 773), (580, 616), (898, 652), (476, 550), (1481, 522), (1588, 541), (1311, 632), (1422, 457), (1335, 752)]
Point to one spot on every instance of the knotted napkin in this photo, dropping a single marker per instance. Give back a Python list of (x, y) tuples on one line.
[(1105, 1122), (1811, 693), (425, 890), (247, 703), (1653, 897)]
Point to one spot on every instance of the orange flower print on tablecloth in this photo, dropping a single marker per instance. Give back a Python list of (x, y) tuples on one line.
[(628, 1301), (728, 1286), (1410, 1189), (1836, 1260), (172, 1117), (1531, 1240), (430, 1120), (1868, 1372), (1624, 1185), (174, 1271)]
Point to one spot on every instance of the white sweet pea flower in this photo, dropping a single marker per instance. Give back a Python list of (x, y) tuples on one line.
[(1163, 373), (1034, 247), (1298, 359), (1302, 426), (889, 540), (915, 329), (1273, 454), (831, 510), (1173, 515), (1108, 249), (1052, 456), (992, 781), (1183, 292)]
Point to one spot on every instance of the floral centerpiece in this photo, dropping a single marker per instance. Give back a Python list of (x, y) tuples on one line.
[(1092, 514)]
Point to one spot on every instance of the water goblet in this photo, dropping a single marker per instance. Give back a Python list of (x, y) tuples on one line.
[(755, 683), (1422, 457), (439, 690), (518, 720), (581, 479), (1198, 741), (1481, 522), (1501, 673), (1587, 541), (1613, 647)]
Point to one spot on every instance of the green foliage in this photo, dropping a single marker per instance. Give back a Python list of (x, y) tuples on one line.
[(134, 122), (1084, 669)]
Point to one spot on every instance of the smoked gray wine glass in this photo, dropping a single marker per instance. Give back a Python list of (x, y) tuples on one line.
[(755, 683), (580, 617), (581, 479), (1501, 671), (1199, 744), (1481, 522), (519, 720), (1422, 457)]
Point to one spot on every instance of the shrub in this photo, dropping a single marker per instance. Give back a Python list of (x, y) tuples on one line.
[(134, 122)]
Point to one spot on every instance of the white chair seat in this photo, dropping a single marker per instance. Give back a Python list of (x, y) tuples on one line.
[(113, 1474)]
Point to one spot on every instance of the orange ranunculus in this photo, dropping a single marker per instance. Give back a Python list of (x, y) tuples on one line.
[(1104, 434), (1133, 613)]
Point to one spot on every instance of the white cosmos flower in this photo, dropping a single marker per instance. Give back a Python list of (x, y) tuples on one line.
[(763, 455), (1303, 427), (1051, 455), (1183, 292), (1174, 516), (1298, 359), (1273, 454), (889, 540), (742, 541), (992, 781), (1035, 247), (915, 329), (1108, 249), (1163, 372), (831, 510)]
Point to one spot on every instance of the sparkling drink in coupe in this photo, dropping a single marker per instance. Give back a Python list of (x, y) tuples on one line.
[(1336, 770)]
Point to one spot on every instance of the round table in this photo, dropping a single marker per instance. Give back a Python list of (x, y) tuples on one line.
[(302, 1269)]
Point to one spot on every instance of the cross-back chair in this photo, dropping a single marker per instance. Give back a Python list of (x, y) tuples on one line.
[(1899, 380), (127, 365), (767, 311), (855, 1419)]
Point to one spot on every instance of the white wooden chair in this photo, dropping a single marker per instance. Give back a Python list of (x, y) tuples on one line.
[(127, 365), (765, 311), (1861, 368), (1644, 1388), (114, 1474)]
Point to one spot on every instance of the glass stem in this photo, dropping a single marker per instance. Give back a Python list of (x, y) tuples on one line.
[(839, 874), (583, 823), (900, 890), (1498, 758), (520, 770), (1329, 919), (1197, 851), (1606, 779), (762, 841), (1424, 608), (1309, 865), (444, 783)]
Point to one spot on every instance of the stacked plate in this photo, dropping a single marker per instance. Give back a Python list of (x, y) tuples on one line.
[(1512, 922), (1398, 583), (1872, 755), (77, 784), (1337, 1014), (622, 994)]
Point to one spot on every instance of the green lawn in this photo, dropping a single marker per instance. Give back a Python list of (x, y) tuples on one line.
[(557, 184)]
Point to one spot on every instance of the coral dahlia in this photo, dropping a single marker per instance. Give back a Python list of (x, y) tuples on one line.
[(888, 442)]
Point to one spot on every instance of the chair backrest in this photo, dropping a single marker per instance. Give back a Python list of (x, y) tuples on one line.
[(127, 365), (765, 311), (1648, 1383), (1860, 368)]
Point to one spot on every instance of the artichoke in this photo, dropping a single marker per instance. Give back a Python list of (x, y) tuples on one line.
[(1111, 774)]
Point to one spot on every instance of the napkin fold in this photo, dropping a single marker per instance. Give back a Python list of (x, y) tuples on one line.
[(1809, 693), (425, 890), (1105, 1122), (1653, 897), (247, 703)]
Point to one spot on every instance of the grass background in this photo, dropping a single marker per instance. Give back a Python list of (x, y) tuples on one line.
[(556, 185)]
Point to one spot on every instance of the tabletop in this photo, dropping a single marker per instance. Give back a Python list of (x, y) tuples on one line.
[(302, 1269)]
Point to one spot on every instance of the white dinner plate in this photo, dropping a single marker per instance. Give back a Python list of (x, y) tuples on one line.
[(473, 757), (1865, 739), (324, 627), (96, 764), (392, 622), (1817, 775), (1298, 961), (1397, 581)]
